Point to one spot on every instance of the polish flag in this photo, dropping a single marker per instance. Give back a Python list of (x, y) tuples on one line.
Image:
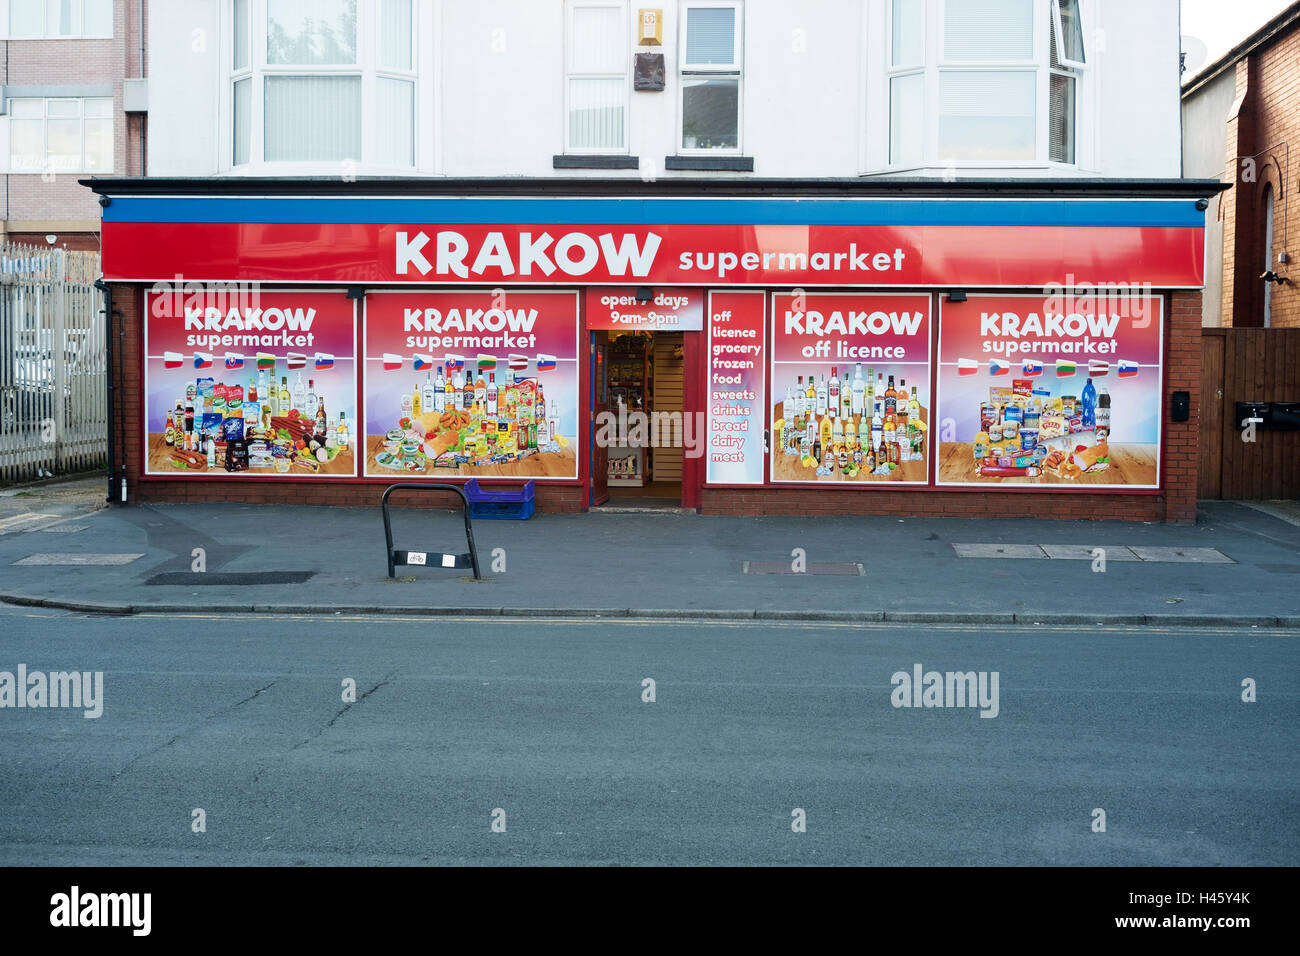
[(202, 360), (1065, 368), (392, 362), (297, 360), (173, 360), (1128, 369), (545, 363), (1031, 367), (422, 362), (324, 360), (999, 367), (234, 360), (518, 361), (967, 366), (455, 361), (1097, 368)]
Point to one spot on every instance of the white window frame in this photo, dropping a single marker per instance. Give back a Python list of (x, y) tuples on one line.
[(45, 34), (367, 68), (44, 168), (625, 76), (736, 68), (1065, 62), (879, 159)]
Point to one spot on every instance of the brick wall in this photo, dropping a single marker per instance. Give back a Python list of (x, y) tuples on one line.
[(1267, 121)]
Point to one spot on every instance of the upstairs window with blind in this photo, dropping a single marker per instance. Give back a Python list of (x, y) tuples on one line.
[(323, 82), (710, 58), (983, 82), (597, 83)]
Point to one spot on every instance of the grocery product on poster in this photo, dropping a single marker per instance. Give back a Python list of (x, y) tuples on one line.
[(471, 384), (1059, 391), (850, 388), (736, 389), (254, 384)]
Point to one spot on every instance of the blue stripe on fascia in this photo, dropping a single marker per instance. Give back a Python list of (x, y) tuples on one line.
[(568, 211)]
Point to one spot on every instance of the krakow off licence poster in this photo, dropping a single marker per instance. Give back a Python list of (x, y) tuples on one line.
[(252, 371), (511, 360), (1056, 391), (828, 345)]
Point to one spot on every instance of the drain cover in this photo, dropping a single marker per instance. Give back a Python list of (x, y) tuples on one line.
[(783, 567), (230, 578)]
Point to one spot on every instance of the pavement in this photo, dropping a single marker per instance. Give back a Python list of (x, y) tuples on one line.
[(224, 557)]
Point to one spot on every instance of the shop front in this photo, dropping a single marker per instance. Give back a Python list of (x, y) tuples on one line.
[(1023, 349)]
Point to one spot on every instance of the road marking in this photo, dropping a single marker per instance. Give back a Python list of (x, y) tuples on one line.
[(18, 523)]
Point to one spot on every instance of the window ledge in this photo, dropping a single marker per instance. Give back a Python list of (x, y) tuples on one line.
[(595, 161), (728, 164)]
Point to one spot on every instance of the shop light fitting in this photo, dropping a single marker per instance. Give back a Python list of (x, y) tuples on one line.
[(645, 294), (957, 295)]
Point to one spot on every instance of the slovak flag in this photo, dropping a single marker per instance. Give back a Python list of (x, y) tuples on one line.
[(1031, 367), (1128, 369), (202, 360), (487, 361), (265, 360), (455, 361), (518, 361), (967, 366), (1065, 368), (545, 363), (324, 360), (1097, 368), (297, 360), (173, 360), (392, 362), (234, 360), (999, 367)]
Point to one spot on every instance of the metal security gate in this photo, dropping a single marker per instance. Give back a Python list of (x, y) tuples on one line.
[(53, 409)]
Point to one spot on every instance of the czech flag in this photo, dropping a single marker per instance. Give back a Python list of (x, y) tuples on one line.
[(392, 362), (265, 360), (545, 363), (518, 361), (202, 360), (455, 361), (297, 360), (173, 360), (1031, 367), (324, 360), (999, 367), (967, 366), (234, 360), (422, 362), (487, 361), (1065, 368), (1097, 368), (1128, 369)]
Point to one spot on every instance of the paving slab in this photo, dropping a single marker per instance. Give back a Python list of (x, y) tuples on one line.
[(999, 551), (1087, 552), (1183, 555)]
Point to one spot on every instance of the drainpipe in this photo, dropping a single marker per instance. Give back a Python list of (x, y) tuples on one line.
[(111, 387)]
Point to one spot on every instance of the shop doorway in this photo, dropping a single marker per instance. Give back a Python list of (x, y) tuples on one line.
[(644, 456)]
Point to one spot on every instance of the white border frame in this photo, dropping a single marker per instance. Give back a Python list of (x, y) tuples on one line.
[(566, 76), (763, 409)]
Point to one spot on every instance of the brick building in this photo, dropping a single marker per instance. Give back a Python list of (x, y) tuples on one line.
[(66, 92), (1240, 115)]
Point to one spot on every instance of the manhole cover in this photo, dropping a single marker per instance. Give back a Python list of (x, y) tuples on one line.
[(1183, 555), (1084, 552), (998, 551), (229, 578), (784, 567)]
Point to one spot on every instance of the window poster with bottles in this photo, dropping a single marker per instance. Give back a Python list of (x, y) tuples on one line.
[(252, 384), (471, 384), (1061, 391), (850, 388)]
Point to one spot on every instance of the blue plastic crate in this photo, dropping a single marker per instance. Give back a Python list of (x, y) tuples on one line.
[(500, 503)]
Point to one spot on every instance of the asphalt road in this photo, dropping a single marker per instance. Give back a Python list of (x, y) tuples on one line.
[(243, 717)]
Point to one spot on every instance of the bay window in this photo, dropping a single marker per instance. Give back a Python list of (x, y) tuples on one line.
[(710, 60), (323, 82)]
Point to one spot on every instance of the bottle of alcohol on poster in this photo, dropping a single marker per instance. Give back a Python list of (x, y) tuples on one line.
[(857, 392), (833, 393), (490, 393)]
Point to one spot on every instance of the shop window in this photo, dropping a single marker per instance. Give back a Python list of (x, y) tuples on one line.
[(53, 19), (69, 135), (710, 58), (323, 81), (983, 82), (596, 82)]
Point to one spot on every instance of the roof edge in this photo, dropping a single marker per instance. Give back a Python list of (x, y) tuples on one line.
[(1246, 47)]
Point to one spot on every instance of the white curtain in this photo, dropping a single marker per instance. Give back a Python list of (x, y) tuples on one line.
[(596, 114), (395, 122), (988, 31), (987, 115), (313, 118)]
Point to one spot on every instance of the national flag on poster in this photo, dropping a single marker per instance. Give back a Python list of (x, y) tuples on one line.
[(265, 360), (392, 362), (545, 363), (487, 361), (1065, 368), (202, 360), (234, 360), (455, 362), (1031, 367), (999, 367), (324, 360), (518, 361), (422, 362), (297, 360), (967, 366), (1097, 368), (1127, 369), (173, 360)]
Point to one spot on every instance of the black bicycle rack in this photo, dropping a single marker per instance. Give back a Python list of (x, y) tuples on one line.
[(427, 558)]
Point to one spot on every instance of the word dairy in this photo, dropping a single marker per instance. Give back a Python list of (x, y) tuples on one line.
[(71, 689), (950, 689)]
